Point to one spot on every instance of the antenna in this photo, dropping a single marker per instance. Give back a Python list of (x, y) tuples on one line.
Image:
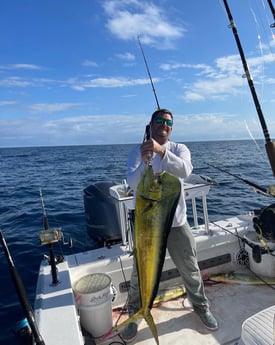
[(149, 74)]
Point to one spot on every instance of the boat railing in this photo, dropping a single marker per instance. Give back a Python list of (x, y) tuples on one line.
[(194, 190), (125, 197)]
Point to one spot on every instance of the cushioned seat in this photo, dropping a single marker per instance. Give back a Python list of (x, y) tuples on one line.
[(258, 329)]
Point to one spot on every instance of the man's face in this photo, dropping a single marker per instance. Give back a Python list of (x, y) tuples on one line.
[(161, 127)]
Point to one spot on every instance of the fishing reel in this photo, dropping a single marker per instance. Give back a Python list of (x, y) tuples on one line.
[(264, 222), (147, 133), (50, 236)]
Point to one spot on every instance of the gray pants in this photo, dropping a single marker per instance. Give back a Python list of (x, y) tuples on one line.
[(182, 249)]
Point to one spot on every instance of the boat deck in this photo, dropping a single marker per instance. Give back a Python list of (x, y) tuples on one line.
[(177, 324), (232, 301)]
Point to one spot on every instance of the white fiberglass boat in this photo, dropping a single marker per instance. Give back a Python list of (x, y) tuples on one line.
[(88, 293), (80, 297)]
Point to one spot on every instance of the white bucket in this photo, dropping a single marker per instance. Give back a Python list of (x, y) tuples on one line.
[(93, 289), (97, 319), (267, 265), (95, 303)]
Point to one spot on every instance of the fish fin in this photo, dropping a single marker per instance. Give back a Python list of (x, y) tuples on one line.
[(150, 321), (133, 252), (115, 328), (138, 315)]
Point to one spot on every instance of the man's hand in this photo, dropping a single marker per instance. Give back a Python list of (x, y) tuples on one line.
[(150, 146)]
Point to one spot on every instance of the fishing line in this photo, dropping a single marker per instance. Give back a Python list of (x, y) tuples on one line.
[(240, 238), (108, 333), (258, 189), (232, 26), (243, 240), (270, 146), (251, 136), (263, 46), (264, 26), (266, 17), (125, 281), (260, 278), (266, 34), (255, 142), (231, 233), (261, 49)]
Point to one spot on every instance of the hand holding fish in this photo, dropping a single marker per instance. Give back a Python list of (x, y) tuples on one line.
[(149, 147), (156, 202), (160, 212)]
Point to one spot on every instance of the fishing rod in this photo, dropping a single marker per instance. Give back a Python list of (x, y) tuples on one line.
[(257, 251), (272, 11), (48, 237), (258, 188), (147, 134), (22, 295), (270, 146), (149, 74), (45, 218)]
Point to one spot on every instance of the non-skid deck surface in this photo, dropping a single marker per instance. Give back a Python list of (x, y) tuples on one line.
[(230, 303)]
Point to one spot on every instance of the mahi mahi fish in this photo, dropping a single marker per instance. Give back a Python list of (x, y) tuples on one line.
[(156, 201)]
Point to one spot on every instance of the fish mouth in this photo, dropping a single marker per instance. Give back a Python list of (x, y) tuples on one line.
[(152, 187), (150, 197)]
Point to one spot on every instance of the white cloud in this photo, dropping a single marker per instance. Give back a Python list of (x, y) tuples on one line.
[(89, 63), (116, 128), (74, 83), (202, 68), (15, 82), (49, 108), (215, 89), (201, 126), (222, 80), (112, 82), (94, 129), (129, 19), (4, 103), (126, 56), (20, 66)]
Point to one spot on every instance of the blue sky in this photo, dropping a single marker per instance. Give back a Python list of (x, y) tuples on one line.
[(72, 72)]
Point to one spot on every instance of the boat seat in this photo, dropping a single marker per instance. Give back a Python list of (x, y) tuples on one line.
[(258, 329)]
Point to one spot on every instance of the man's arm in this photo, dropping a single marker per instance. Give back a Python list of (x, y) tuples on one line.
[(136, 167), (178, 162)]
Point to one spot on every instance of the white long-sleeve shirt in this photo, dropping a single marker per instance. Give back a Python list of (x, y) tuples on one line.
[(176, 161)]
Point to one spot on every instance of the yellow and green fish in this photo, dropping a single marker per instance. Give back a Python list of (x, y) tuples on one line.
[(156, 201)]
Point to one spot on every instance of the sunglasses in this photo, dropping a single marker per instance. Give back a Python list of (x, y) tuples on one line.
[(162, 120)]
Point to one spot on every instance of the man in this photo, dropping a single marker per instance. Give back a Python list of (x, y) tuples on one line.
[(176, 159)]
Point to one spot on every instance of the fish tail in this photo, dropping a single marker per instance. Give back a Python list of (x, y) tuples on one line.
[(150, 321), (138, 315), (115, 328)]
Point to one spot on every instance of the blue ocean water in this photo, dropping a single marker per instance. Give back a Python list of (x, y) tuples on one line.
[(64, 172)]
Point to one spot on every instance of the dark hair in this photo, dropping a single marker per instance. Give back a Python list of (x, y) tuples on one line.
[(161, 111)]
